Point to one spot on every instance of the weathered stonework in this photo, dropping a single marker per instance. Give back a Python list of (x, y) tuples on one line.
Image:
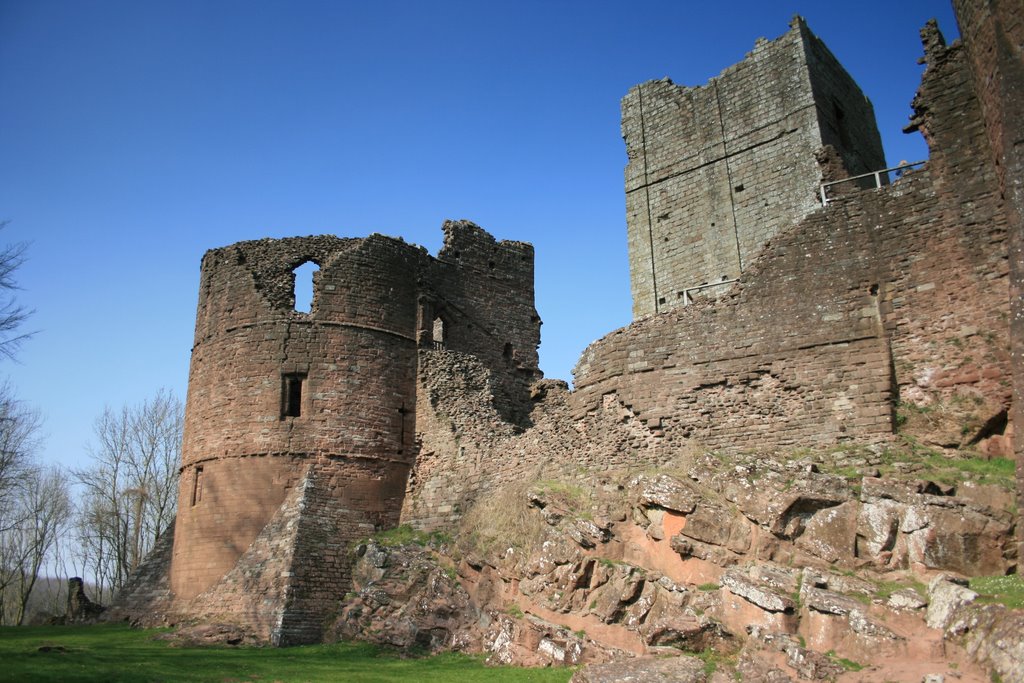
[(409, 392), (995, 47), (300, 428), (715, 171), (885, 294)]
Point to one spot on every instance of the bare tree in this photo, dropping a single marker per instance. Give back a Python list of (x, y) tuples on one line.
[(46, 506), (12, 314), (19, 438), (35, 507), (130, 490)]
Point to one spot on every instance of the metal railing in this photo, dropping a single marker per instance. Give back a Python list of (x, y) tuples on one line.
[(877, 175)]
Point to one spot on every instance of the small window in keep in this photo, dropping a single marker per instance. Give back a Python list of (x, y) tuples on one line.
[(291, 395), (197, 486)]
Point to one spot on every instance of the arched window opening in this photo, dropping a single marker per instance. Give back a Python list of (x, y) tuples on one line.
[(304, 275), (438, 333)]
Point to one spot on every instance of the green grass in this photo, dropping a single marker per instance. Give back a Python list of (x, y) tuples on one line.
[(952, 470), (572, 497), (406, 535), (931, 464), (884, 589), (847, 664), (713, 660), (119, 653), (1003, 590)]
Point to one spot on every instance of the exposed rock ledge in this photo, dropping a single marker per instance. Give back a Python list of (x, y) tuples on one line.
[(608, 573)]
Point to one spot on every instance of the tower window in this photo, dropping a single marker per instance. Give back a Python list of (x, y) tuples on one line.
[(291, 395), (304, 277), (197, 486)]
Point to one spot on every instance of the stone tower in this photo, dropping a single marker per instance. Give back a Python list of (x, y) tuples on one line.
[(715, 171), (300, 426)]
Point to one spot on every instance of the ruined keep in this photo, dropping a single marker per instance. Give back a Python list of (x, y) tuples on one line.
[(410, 391), (715, 171), (300, 428)]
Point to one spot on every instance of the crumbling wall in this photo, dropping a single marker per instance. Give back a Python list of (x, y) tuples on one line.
[(715, 171), (146, 596), (993, 32), (892, 293), (300, 426), (949, 325), (468, 452), (886, 303), (483, 291)]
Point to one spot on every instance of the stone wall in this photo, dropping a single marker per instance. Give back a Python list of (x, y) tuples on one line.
[(993, 33), (894, 293), (467, 451), (714, 172)]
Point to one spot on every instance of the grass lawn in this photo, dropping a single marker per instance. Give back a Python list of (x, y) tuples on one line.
[(118, 653), (1003, 590)]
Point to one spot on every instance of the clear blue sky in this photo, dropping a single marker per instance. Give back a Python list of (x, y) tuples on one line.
[(135, 135)]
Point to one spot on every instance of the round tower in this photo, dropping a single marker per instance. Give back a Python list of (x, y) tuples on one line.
[(274, 390)]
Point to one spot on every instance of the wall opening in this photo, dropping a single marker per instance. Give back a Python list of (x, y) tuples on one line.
[(197, 485), (438, 333), (841, 126), (303, 295), (291, 395), (401, 432)]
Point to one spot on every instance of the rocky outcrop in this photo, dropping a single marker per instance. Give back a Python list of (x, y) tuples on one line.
[(795, 511), (676, 669), (405, 597), (606, 573), (992, 634)]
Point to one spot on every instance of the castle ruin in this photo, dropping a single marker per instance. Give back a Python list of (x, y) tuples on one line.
[(410, 390)]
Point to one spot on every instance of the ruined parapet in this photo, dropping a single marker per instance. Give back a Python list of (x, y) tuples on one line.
[(715, 171), (482, 291)]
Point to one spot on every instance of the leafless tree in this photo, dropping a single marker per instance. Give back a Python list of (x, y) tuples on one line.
[(35, 506), (130, 489), (12, 314), (45, 512)]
